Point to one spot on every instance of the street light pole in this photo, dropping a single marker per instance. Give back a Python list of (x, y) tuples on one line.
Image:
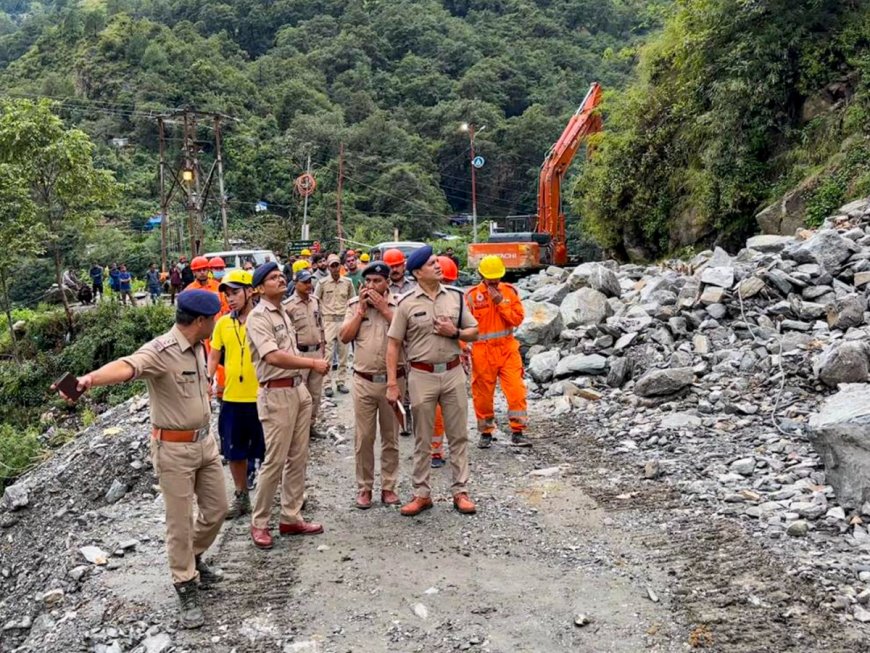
[(469, 127)]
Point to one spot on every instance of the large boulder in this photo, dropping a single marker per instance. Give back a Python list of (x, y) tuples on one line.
[(769, 243), (553, 293), (844, 362), (541, 366), (659, 383), (840, 433), (581, 364), (846, 312), (596, 276), (827, 248), (584, 307), (542, 324)]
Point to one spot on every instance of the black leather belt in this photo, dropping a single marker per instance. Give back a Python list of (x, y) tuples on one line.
[(307, 348)]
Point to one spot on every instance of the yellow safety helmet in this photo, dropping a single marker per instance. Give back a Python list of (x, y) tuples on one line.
[(364, 258), (300, 265), (491, 267), (305, 252), (236, 278)]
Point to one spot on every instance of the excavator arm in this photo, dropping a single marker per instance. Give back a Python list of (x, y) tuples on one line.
[(551, 218)]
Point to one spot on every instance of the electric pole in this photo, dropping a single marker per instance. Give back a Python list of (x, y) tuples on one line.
[(338, 197)]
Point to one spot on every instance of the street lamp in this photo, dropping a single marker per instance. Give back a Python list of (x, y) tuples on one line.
[(468, 127)]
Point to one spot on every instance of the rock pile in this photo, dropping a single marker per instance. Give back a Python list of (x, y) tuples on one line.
[(710, 368)]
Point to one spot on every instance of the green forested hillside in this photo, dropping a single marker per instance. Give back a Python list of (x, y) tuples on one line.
[(735, 103), (391, 80)]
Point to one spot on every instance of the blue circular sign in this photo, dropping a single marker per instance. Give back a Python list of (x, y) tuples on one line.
[(478, 161)]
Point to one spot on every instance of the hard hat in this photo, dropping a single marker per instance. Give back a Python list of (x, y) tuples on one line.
[(236, 278), (393, 257), (491, 267), (365, 258), (199, 263), (217, 263), (305, 252), (300, 265), (448, 268)]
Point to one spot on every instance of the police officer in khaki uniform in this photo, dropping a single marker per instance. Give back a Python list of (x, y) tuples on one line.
[(430, 321), (184, 457), (334, 292), (304, 311), (366, 324), (284, 407)]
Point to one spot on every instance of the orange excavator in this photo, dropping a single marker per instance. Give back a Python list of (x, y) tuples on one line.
[(545, 244)]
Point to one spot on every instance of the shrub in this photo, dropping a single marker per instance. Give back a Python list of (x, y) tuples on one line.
[(19, 450)]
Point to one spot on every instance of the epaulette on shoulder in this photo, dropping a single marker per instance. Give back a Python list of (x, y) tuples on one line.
[(353, 300), (286, 302), (455, 289), (404, 296), (163, 342)]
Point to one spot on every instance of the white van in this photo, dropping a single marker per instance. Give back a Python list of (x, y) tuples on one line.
[(237, 257), (405, 246)]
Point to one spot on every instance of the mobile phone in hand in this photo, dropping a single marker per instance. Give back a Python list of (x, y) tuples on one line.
[(69, 385)]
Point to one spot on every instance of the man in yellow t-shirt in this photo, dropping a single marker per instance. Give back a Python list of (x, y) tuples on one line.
[(238, 424)]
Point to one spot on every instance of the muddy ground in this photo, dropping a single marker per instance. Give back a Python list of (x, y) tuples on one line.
[(564, 529)]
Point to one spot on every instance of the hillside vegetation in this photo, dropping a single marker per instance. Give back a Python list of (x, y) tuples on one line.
[(390, 80), (735, 103)]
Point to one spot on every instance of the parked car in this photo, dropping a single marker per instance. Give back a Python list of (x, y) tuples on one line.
[(460, 219), (405, 246), (236, 258)]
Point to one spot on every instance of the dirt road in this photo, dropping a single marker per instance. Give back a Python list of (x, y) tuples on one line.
[(564, 529)]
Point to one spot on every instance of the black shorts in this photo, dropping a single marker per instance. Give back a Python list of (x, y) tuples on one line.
[(241, 432)]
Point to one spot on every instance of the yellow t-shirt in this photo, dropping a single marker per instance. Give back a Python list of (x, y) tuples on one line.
[(229, 335)]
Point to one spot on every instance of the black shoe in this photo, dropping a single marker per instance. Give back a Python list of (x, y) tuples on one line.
[(485, 441), (188, 598), (207, 575), (405, 434), (328, 392), (241, 504), (519, 439), (342, 388), (314, 434)]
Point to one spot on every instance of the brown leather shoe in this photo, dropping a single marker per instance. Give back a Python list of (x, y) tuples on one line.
[(390, 498), (416, 506), (300, 528), (262, 538), (364, 499), (463, 504)]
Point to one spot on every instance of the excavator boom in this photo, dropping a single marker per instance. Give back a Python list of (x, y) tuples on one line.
[(551, 217)]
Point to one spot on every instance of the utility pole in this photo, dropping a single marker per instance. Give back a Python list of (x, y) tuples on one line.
[(164, 198), (338, 196), (220, 171), (473, 187), (188, 178), (305, 205)]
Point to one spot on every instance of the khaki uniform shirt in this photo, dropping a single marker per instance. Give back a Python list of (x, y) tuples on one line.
[(399, 289), (269, 329), (306, 318), (370, 343), (414, 323), (175, 373), (334, 296)]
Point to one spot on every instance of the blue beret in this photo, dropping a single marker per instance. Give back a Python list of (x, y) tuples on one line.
[(378, 267), (417, 259), (199, 302), (264, 271), (303, 276)]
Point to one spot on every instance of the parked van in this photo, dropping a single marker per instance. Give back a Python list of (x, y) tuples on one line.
[(405, 246), (237, 257)]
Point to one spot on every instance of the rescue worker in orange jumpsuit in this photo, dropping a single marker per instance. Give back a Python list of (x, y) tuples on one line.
[(449, 273), (496, 354)]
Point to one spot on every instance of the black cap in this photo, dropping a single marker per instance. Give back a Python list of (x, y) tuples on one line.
[(264, 271), (303, 276), (417, 259), (199, 302), (378, 267)]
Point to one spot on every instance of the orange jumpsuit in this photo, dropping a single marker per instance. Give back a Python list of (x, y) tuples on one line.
[(495, 356), (212, 285)]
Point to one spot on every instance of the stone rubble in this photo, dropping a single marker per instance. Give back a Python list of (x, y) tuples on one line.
[(718, 371)]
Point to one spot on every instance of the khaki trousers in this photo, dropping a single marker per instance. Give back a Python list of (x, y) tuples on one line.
[(332, 341), (185, 470), (286, 417), (370, 407), (314, 383), (427, 390)]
